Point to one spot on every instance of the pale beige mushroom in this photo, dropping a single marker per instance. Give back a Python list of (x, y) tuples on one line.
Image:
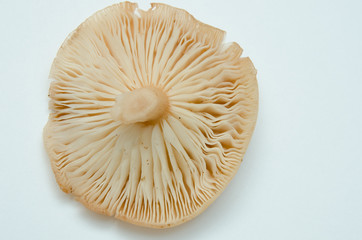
[(151, 114)]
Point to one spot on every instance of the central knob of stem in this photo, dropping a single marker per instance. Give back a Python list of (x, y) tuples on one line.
[(140, 105)]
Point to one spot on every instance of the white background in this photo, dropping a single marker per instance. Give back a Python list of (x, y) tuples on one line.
[(302, 175)]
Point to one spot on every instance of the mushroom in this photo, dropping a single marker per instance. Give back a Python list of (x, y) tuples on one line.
[(151, 114)]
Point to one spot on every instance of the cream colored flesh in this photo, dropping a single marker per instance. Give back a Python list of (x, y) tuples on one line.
[(151, 114)]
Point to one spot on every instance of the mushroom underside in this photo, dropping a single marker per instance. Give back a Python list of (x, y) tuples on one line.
[(151, 114)]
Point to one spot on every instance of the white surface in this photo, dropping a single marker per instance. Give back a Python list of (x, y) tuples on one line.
[(302, 175)]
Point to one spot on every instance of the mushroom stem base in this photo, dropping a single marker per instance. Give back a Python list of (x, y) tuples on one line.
[(140, 105)]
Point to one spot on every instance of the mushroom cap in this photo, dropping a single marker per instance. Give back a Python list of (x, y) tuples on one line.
[(151, 114)]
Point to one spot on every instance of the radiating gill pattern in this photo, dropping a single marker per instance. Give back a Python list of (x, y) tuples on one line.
[(156, 174)]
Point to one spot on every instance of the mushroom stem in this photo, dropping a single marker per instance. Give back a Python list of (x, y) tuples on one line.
[(140, 105)]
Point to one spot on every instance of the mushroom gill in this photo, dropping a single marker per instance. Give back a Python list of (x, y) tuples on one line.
[(151, 114)]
